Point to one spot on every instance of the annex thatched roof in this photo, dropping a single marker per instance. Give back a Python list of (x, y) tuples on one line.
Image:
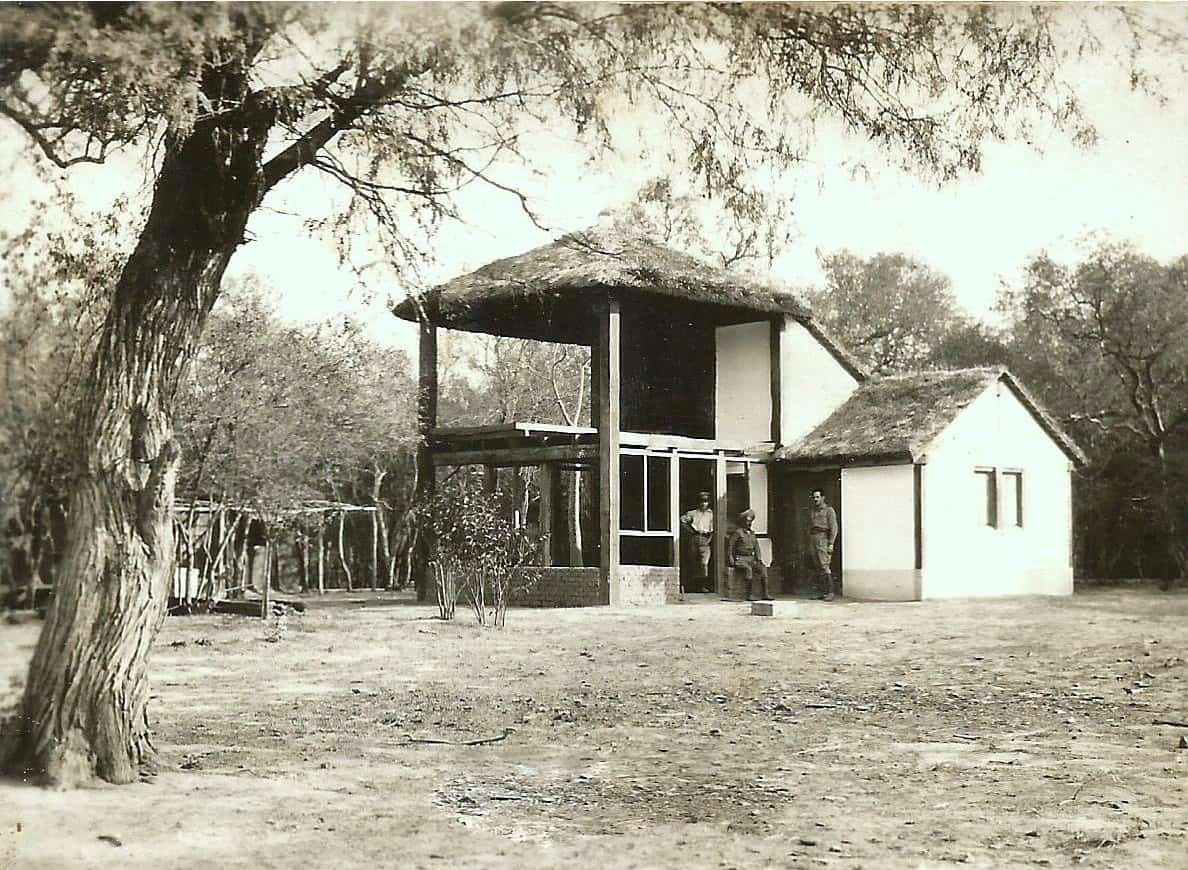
[(550, 292), (895, 419)]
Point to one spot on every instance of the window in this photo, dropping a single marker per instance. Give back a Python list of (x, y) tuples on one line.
[(1012, 498), (631, 492), (989, 496), (644, 493), (1006, 513)]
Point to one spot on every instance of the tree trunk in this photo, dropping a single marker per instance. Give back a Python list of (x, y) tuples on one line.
[(84, 710)]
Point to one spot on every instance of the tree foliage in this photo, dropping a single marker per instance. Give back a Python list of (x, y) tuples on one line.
[(1107, 341), (272, 414), (488, 379), (893, 312), (55, 279)]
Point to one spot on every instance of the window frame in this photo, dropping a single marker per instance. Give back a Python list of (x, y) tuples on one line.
[(1017, 474), (989, 516), (646, 531)]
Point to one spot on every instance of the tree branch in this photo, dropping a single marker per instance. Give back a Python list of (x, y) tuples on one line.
[(366, 97)]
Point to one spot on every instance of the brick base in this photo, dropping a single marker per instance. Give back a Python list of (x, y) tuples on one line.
[(561, 587)]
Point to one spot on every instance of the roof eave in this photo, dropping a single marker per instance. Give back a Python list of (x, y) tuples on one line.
[(848, 460)]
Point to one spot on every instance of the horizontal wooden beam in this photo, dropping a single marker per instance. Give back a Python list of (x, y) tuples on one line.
[(655, 441), (516, 455), (507, 430)]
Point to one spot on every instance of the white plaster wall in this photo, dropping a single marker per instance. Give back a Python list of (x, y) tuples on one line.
[(812, 382), (963, 556), (757, 484), (743, 383), (878, 539)]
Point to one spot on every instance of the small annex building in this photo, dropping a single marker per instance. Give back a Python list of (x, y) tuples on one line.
[(946, 483), (949, 483)]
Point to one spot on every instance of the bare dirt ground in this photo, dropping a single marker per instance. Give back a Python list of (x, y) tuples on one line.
[(1010, 733)]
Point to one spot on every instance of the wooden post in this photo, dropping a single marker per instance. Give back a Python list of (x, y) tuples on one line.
[(304, 562), (346, 569), (674, 514), (608, 356), (322, 556), (426, 421), (266, 593), (777, 412), (720, 524), (375, 549), (519, 520), (547, 480)]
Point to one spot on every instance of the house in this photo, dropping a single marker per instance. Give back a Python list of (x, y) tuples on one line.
[(946, 483)]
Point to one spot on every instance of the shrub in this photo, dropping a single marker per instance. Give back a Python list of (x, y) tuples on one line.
[(476, 548)]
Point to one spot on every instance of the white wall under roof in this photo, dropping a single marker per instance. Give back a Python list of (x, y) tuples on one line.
[(879, 543), (813, 384), (962, 555), (743, 400)]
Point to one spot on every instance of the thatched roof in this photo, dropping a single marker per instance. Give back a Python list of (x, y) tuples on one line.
[(894, 419), (550, 291)]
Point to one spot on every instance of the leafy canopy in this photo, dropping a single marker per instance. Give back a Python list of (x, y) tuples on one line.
[(405, 105)]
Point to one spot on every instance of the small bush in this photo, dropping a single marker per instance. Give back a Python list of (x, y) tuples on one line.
[(476, 549)]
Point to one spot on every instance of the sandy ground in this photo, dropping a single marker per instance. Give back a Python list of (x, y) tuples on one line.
[(1010, 733)]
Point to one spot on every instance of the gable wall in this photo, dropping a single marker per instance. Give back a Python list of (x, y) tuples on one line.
[(743, 400), (812, 382), (963, 556)]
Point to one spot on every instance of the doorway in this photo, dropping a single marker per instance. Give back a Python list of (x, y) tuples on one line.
[(790, 513), (695, 475)]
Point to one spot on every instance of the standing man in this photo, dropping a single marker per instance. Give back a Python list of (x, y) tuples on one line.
[(742, 554), (699, 522), (822, 534)]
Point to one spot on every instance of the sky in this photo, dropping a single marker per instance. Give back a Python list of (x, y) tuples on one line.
[(979, 230)]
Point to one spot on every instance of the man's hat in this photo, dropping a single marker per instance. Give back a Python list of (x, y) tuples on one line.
[(748, 514), (704, 494)]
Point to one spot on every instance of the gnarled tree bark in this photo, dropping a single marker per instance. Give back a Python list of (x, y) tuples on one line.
[(83, 713)]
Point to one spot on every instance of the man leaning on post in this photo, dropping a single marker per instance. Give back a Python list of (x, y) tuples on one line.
[(700, 524)]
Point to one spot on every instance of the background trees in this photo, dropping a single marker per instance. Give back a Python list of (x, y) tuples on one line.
[(894, 313), (1106, 342)]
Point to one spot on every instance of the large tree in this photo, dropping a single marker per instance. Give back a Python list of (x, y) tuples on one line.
[(402, 105), (894, 312), (1107, 343)]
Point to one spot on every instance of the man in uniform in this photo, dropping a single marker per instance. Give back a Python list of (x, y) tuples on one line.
[(742, 554), (700, 524), (822, 534)]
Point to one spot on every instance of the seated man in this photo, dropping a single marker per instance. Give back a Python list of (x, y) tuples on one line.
[(742, 555)]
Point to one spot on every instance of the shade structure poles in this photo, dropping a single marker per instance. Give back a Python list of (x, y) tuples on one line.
[(342, 558), (547, 481), (266, 594), (674, 516), (375, 550), (720, 524), (322, 558), (608, 356)]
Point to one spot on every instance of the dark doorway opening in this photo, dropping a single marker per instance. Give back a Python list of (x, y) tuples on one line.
[(695, 476), (790, 510)]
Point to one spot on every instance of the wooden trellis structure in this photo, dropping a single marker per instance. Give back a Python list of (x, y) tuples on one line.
[(215, 557)]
